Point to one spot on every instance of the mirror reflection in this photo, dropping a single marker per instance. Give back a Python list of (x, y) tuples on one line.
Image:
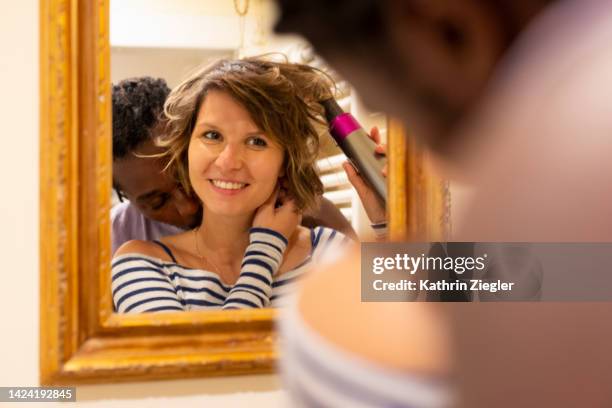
[(228, 185)]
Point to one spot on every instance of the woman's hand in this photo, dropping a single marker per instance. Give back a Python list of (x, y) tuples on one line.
[(374, 207), (283, 219)]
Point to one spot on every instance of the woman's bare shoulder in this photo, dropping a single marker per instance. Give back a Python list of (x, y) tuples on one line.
[(147, 248)]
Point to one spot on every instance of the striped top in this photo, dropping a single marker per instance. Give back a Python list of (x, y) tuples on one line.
[(142, 283), (317, 373)]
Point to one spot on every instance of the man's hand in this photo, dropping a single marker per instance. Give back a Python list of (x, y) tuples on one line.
[(283, 219), (374, 207)]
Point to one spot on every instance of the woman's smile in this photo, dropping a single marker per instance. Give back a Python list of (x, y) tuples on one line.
[(226, 187)]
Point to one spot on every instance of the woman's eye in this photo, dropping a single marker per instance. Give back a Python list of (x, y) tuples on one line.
[(257, 141), (211, 135)]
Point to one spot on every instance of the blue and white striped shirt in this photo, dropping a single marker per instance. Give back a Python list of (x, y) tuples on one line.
[(142, 283)]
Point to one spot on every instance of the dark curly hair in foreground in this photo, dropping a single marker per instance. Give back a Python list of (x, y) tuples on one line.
[(138, 104)]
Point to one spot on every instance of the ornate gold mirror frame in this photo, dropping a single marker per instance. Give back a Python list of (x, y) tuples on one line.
[(81, 340)]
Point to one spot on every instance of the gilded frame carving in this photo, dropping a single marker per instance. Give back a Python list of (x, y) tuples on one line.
[(82, 341)]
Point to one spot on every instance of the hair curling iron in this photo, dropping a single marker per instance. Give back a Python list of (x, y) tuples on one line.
[(357, 146)]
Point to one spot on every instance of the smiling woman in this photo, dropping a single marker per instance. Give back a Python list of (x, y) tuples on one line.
[(241, 136)]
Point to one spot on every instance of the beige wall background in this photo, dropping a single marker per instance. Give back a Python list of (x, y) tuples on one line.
[(19, 248)]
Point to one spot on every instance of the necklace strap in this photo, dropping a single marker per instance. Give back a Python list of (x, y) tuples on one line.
[(199, 253)]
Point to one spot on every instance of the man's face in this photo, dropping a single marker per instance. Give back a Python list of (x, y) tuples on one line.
[(143, 181)]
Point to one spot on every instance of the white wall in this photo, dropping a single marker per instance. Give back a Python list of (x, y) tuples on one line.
[(19, 203), (19, 247), (172, 64), (174, 24)]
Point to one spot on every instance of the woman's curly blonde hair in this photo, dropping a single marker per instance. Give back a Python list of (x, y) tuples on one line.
[(282, 100)]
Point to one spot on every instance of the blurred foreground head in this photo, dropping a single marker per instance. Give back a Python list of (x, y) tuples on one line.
[(548, 177), (426, 62)]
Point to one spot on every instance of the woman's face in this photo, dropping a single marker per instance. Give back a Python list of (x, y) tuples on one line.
[(233, 166)]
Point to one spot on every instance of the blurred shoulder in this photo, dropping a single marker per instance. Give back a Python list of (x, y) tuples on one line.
[(400, 335)]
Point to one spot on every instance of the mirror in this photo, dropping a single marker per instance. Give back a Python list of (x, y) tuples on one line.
[(184, 263), (81, 339)]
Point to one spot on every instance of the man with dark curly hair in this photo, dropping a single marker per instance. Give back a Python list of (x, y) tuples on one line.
[(156, 205)]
